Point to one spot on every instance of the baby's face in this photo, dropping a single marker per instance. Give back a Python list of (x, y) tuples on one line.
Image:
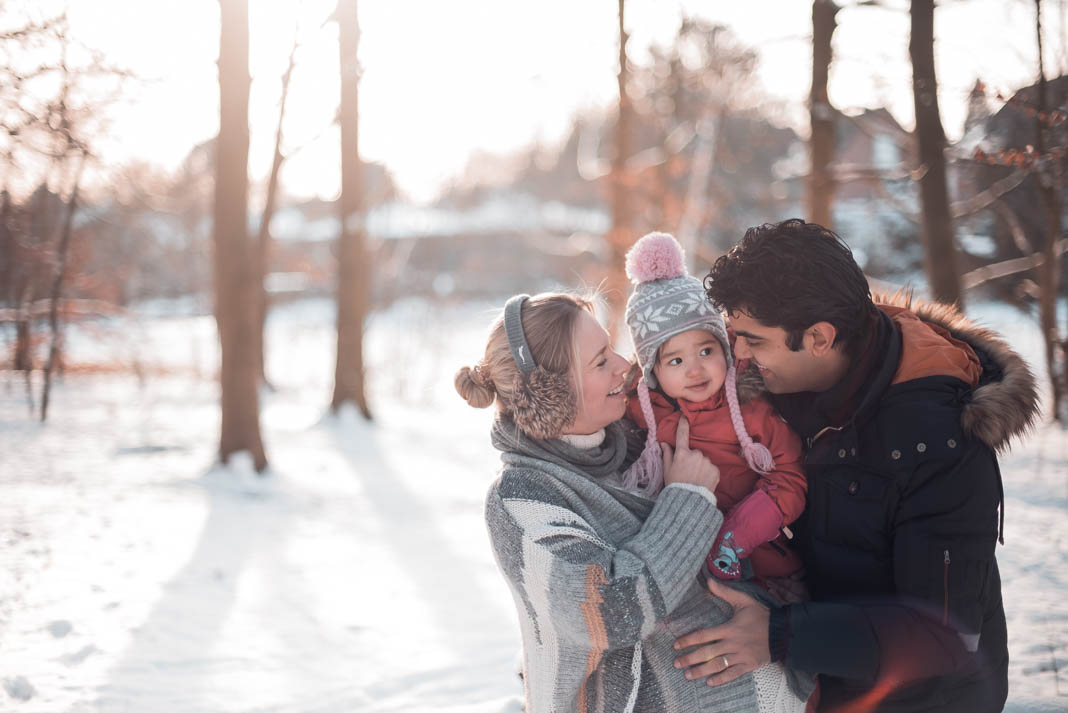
[(691, 366)]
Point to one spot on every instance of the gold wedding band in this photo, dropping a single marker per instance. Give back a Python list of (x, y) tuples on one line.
[(725, 664)]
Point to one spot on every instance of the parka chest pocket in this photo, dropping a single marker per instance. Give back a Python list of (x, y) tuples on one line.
[(855, 508)]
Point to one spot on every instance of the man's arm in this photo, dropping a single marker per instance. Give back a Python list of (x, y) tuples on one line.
[(928, 628)]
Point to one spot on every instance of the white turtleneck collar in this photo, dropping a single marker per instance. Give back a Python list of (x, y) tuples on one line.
[(585, 442)]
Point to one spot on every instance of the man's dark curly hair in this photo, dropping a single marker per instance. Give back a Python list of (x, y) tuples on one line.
[(791, 275)]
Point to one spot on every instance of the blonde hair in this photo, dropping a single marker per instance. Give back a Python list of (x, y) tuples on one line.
[(549, 321)]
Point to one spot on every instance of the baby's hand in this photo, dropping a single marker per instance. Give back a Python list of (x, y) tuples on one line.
[(685, 465), (725, 559)]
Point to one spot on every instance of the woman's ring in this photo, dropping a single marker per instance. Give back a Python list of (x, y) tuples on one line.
[(725, 664)]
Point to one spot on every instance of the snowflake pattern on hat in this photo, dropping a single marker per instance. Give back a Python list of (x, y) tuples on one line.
[(647, 321)]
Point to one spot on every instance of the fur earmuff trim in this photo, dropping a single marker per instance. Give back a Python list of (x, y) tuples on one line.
[(543, 404), (998, 410)]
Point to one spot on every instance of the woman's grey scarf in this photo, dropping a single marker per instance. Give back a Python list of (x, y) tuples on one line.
[(609, 458)]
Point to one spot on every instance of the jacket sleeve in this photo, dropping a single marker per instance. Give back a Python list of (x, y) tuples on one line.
[(944, 533), (590, 591), (786, 484)]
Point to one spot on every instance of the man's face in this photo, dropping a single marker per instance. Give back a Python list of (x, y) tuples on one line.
[(784, 371)]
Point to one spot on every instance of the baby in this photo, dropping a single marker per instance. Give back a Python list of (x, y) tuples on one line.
[(684, 354)]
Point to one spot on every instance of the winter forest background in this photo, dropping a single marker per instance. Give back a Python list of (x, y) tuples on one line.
[(244, 246)]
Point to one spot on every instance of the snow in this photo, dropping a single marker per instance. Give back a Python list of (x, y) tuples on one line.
[(502, 212), (19, 688), (136, 574)]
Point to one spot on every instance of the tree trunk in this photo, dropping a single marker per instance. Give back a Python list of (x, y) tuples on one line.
[(23, 358), (57, 288), (8, 252), (939, 242), (353, 288), (695, 210), (263, 240), (1049, 181), (619, 235), (820, 185), (235, 271)]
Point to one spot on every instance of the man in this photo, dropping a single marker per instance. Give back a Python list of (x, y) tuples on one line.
[(901, 409)]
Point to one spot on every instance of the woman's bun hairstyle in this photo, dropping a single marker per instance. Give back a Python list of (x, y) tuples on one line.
[(473, 390), (544, 402)]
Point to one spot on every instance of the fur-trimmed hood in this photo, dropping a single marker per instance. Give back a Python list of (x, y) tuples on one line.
[(1003, 405)]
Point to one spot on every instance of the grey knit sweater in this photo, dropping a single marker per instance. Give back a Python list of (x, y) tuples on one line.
[(605, 580)]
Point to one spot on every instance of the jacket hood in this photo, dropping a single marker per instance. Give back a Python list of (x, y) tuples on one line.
[(1004, 403)]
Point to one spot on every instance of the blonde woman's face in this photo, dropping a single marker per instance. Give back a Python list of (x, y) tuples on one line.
[(601, 399)]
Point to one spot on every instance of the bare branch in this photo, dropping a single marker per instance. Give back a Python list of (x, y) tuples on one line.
[(68, 307), (1016, 265), (846, 172), (1016, 229), (59, 274), (986, 198), (34, 28)]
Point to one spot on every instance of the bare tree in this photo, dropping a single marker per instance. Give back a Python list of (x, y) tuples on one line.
[(697, 115), (820, 185), (619, 236), (353, 288), (67, 148), (263, 239), (235, 271), (1049, 181), (939, 241), (49, 117), (57, 285), (722, 61)]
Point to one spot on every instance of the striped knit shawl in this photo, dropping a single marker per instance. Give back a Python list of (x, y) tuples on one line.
[(604, 581)]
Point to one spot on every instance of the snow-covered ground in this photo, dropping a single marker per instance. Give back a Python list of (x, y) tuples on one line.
[(136, 577)]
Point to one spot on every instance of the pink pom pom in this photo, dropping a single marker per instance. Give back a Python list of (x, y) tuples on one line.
[(657, 256)]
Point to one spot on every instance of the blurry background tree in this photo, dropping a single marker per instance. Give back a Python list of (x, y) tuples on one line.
[(270, 203), (1024, 146), (685, 143), (700, 148), (1049, 173), (52, 90), (353, 276), (938, 237), (620, 235), (819, 192), (688, 142), (235, 257)]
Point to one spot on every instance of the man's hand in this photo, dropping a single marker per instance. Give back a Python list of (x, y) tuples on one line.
[(732, 649)]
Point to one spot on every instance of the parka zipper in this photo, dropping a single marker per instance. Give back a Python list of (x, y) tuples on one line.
[(812, 439), (945, 587)]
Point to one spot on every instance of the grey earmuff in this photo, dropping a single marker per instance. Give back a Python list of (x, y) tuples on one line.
[(544, 402)]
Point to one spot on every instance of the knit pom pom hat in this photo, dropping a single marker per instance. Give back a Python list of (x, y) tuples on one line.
[(667, 301)]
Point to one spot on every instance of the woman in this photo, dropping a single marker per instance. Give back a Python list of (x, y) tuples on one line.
[(604, 579)]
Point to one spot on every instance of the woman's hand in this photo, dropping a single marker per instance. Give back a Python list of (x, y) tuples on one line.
[(684, 465)]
